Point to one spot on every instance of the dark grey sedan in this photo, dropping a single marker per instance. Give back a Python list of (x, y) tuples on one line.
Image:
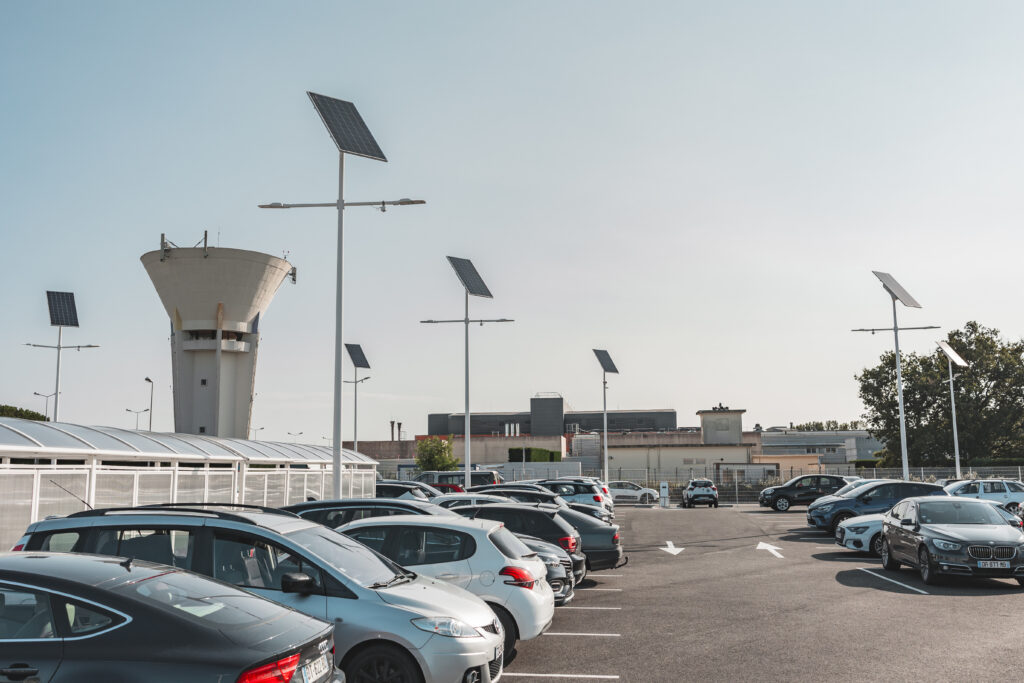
[(952, 536)]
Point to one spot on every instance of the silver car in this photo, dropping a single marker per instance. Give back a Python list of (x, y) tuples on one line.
[(387, 619)]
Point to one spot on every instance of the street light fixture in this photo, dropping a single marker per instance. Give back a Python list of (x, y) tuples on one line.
[(63, 313), (358, 358), (254, 430), (137, 413), (606, 366), (953, 357), (294, 433), (46, 403), (351, 136), (150, 403), (473, 284)]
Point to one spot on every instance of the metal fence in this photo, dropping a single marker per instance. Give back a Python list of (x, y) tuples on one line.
[(29, 493)]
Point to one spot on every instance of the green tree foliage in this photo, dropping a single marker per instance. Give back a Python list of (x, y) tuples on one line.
[(435, 453), (989, 402), (828, 426), (23, 413)]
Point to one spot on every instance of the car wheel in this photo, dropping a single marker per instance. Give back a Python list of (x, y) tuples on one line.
[(382, 663), (1013, 508), (647, 499), (508, 624), (839, 519), (716, 503), (925, 568), (1020, 582), (876, 544), (781, 504), (888, 561)]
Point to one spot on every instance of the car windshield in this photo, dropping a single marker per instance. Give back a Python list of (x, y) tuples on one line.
[(348, 556), (958, 512)]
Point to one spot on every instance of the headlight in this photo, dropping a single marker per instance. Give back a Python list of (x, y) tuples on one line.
[(445, 626), (768, 492), (946, 545), (856, 529), (825, 508)]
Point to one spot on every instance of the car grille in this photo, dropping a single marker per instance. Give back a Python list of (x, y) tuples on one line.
[(495, 668), (984, 552), (491, 628)]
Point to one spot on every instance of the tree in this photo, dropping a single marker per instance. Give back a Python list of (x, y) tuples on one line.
[(23, 413), (828, 426), (989, 402), (435, 454)]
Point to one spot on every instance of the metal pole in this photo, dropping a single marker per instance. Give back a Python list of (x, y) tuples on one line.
[(899, 391), (355, 410), (56, 395), (151, 405), (952, 402), (604, 382), (336, 432), (468, 477)]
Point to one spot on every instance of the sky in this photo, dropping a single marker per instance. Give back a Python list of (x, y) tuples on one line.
[(703, 189)]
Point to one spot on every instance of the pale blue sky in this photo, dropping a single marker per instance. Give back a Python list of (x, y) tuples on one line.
[(702, 189)]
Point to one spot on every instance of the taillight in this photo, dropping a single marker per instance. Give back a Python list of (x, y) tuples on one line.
[(615, 538), (605, 489), (18, 547), (597, 498), (280, 671), (568, 543), (714, 488), (519, 577)]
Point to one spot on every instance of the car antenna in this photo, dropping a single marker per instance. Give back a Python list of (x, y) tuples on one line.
[(127, 564), (71, 494)]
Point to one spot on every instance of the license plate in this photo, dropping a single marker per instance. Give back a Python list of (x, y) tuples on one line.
[(993, 564), (315, 670)]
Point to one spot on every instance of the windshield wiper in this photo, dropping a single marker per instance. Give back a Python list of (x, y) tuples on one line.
[(391, 581)]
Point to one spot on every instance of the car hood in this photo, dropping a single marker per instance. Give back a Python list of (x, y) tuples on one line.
[(981, 533), (433, 598), (824, 500), (863, 519)]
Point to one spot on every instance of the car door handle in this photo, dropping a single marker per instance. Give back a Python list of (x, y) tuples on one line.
[(447, 577), (19, 671)]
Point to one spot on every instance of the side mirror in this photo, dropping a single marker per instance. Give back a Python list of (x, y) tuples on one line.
[(908, 522), (297, 582)]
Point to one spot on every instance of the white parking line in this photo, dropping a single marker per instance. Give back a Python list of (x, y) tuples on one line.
[(596, 635), (600, 589), (603, 678), (886, 578), (588, 608), (610, 576)]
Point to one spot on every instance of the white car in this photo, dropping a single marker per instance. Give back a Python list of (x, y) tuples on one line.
[(479, 555), (454, 500), (628, 492), (862, 533), (1006, 492)]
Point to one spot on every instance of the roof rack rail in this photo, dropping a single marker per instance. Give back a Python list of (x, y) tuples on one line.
[(244, 506), (100, 512)]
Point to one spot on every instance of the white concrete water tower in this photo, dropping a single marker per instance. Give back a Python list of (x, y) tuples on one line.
[(215, 298)]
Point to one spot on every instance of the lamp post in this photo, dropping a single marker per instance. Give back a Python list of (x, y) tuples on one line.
[(46, 403), (150, 403), (953, 357), (137, 413), (606, 366), (358, 358), (351, 136), (63, 313), (473, 284)]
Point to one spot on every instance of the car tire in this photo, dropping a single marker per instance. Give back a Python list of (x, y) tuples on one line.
[(1013, 508), (646, 499), (875, 546), (716, 503), (1020, 581), (837, 520), (382, 663), (508, 624), (888, 561), (781, 504), (925, 568)]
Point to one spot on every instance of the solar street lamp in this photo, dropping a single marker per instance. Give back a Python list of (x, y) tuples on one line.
[(355, 353), (150, 403), (137, 412), (63, 313), (953, 357), (606, 366), (474, 285), (351, 136)]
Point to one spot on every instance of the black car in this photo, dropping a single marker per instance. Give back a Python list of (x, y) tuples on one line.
[(558, 564), (400, 489), (541, 522), (77, 618), (952, 536), (335, 513), (801, 490)]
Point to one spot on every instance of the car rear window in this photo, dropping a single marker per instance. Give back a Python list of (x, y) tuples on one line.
[(510, 546), (580, 520), (188, 595)]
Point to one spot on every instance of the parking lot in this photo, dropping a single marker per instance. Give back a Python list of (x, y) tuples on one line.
[(722, 609)]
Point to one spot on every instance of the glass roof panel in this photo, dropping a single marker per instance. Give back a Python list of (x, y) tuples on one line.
[(44, 434)]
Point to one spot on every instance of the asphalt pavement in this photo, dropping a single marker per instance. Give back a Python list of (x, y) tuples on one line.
[(801, 610)]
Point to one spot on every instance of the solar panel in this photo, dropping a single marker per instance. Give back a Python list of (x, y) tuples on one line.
[(62, 309), (896, 289), (346, 127), (471, 279), (952, 355), (606, 361), (355, 352)]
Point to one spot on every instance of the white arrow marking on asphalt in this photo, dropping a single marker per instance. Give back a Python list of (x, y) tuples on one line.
[(672, 549), (774, 550)]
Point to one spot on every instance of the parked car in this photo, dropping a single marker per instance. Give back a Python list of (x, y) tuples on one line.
[(602, 486), (539, 521), (522, 485), (862, 533), (399, 489), (602, 543), (426, 489), (1004, 491), (388, 618), (70, 618), (800, 490), (469, 553), (454, 481), (700, 492), (335, 513), (453, 500), (951, 536), (559, 567), (872, 498), (587, 493), (628, 492), (530, 496)]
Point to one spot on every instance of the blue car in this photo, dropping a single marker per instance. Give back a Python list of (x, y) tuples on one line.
[(828, 511)]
